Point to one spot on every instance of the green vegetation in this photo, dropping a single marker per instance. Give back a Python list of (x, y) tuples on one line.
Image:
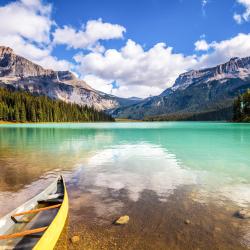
[(220, 114), (23, 107), (242, 108)]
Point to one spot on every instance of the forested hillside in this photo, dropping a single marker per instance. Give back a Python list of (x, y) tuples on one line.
[(23, 107), (220, 114), (242, 108)]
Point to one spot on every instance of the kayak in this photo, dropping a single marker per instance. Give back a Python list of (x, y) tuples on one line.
[(38, 223)]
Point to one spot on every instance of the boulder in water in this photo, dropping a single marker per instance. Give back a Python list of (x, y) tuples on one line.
[(75, 239), (122, 220), (243, 214)]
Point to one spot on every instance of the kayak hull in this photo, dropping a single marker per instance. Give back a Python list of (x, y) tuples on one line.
[(53, 232), (48, 209)]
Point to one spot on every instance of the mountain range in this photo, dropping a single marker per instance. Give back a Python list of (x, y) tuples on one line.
[(18, 73), (205, 94)]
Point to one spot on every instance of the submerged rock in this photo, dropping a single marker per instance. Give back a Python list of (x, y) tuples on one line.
[(243, 214), (122, 220), (75, 239), (187, 222), (217, 229)]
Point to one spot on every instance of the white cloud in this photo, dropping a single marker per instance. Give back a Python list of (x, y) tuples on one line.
[(99, 83), (142, 72), (88, 36), (203, 6), (201, 45), (204, 3), (52, 62), (245, 16), (237, 18), (25, 26), (238, 46), (28, 19), (138, 71), (137, 91), (123, 90)]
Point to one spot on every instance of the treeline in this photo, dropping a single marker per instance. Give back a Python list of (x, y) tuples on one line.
[(242, 107), (20, 106), (221, 114)]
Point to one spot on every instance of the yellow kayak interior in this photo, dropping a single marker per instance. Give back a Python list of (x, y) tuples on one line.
[(38, 223)]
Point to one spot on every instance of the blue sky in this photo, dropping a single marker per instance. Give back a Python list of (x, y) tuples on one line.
[(177, 23), (127, 47)]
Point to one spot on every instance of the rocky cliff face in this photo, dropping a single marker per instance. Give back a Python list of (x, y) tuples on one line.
[(235, 68), (197, 91), (17, 72), (12, 65)]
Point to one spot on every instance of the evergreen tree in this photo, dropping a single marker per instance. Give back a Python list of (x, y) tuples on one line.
[(33, 114), (1, 111), (242, 108), (246, 103), (23, 113), (16, 114), (21, 106)]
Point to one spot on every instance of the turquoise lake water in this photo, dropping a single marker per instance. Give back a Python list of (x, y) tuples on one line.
[(98, 158)]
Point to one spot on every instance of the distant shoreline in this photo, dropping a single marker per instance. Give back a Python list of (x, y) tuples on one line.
[(127, 120), (12, 122), (7, 122), (116, 120)]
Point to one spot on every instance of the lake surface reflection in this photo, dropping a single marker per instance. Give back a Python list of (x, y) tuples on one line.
[(110, 165)]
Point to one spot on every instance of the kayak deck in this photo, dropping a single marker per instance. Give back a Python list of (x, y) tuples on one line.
[(29, 241), (26, 225)]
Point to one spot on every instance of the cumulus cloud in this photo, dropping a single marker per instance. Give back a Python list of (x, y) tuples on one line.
[(99, 83), (88, 36), (201, 45), (238, 46), (148, 72), (52, 62), (28, 19), (134, 68), (245, 16), (27, 30), (106, 86), (129, 71)]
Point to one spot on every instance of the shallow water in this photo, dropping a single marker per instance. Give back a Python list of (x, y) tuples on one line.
[(157, 173)]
